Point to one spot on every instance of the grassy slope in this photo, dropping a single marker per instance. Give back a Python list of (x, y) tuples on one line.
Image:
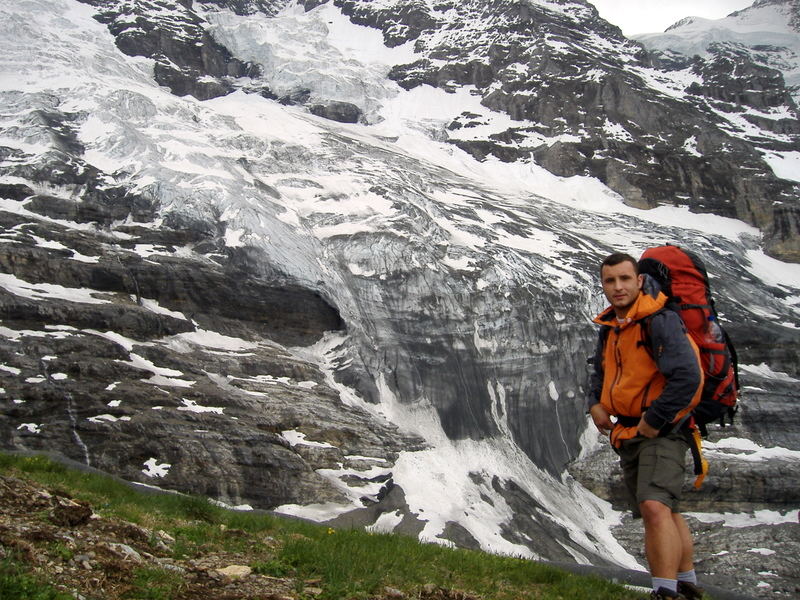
[(301, 559)]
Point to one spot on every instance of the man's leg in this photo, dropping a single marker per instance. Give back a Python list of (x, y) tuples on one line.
[(663, 543), (687, 545), (687, 578)]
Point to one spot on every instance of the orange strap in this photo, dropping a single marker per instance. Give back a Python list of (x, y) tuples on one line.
[(700, 463)]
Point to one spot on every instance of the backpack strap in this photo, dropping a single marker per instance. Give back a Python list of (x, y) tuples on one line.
[(734, 358), (646, 339), (601, 343), (700, 306), (645, 323)]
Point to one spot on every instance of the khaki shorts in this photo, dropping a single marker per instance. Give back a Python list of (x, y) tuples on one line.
[(654, 469)]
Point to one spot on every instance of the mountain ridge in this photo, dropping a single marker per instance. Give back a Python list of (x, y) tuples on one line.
[(582, 112)]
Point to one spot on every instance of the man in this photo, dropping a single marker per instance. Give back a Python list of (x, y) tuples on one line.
[(647, 374)]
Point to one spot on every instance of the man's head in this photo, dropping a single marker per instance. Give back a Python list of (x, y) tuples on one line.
[(621, 281)]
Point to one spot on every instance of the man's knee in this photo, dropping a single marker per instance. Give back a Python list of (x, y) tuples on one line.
[(654, 511)]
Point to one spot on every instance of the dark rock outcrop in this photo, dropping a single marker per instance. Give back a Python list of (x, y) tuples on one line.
[(187, 59), (763, 557), (731, 77), (343, 112)]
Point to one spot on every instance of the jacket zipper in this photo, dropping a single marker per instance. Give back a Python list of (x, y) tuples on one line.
[(618, 374)]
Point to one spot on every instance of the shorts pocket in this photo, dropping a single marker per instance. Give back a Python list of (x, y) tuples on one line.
[(669, 467)]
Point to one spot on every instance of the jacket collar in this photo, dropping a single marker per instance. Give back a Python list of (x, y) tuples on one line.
[(644, 306)]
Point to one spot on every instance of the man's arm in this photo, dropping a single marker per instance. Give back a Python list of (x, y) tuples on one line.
[(601, 418), (677, 361)]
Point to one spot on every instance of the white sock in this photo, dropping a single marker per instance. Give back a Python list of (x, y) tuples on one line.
[(689, 576), (670, 584)]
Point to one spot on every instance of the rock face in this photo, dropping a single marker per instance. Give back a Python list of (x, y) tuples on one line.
[(580, 111), (747, 69), (238, 298), (619, 114), (761, 35), (344, 112), (187, 59), (134, 378)]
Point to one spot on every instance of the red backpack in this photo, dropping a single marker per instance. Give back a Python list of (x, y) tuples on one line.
[(683, 278)]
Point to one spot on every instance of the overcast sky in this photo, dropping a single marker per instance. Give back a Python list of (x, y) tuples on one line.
[(649, 16)]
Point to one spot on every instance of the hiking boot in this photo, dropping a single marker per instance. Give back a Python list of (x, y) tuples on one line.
[(666, 594), (690, 590)]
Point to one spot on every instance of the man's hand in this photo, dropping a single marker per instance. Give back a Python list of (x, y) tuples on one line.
[(646, 429), (601, 418)]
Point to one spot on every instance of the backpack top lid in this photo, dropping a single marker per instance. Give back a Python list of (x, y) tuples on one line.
[(682, 274)]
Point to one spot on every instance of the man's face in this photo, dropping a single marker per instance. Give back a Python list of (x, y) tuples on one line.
[(621, 286)]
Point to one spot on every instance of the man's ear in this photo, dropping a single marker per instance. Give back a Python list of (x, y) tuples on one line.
[(641, 280)]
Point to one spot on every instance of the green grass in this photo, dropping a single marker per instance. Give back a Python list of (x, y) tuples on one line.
[(17, 583), (154, 584), (354, 563), (345, 564)]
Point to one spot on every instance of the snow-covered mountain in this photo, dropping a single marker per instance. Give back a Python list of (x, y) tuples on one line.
[(768, 33), (548, 80), (339, 259)]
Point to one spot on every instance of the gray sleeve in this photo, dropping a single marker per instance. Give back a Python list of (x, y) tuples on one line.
[(677, 361), (596, 373)]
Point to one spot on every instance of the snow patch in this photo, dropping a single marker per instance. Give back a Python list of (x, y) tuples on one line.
[(30, 427), (155, 469), (193, 406), (296, 438), (759, 517)]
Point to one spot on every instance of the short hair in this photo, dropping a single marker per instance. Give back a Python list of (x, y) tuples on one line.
[(617, 258)]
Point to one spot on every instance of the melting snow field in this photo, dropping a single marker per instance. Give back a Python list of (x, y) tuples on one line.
[(748, 450), (759, 517)]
